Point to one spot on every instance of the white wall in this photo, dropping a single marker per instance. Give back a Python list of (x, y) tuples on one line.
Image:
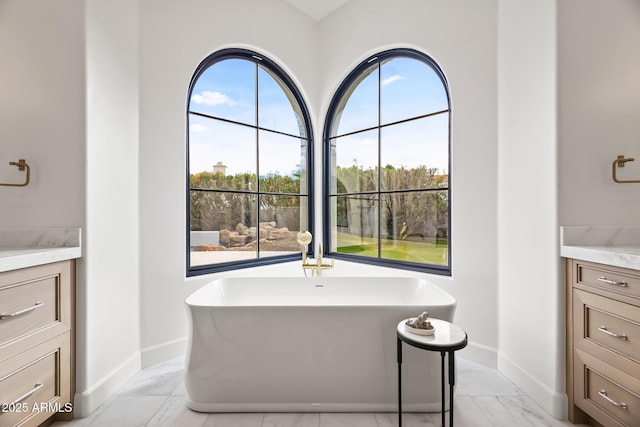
[(42, 112), (598, 110), (530, 303), (109, 299)]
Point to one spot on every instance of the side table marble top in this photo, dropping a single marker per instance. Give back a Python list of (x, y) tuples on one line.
[(447, 336)]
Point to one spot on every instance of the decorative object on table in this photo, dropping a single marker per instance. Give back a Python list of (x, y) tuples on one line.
[(420, 325)]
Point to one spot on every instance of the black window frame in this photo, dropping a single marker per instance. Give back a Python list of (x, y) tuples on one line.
[(326, 165), (273, 67)]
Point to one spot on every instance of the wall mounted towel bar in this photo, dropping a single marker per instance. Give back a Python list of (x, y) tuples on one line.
[(22, 166), (619, 162)]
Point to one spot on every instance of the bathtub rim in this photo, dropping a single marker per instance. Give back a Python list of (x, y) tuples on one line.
[(442, 296)]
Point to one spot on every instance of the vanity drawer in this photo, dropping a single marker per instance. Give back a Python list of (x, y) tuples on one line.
[(32, 384), (34, 306), (611, 279), (610, 396), (603, 325)]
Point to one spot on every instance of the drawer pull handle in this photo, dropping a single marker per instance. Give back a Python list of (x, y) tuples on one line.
[(603, 279), (604, 330), (23, 311), (603, 393), (35, 388)]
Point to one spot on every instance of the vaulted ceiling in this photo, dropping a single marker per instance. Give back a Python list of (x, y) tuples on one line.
[(317, 9)]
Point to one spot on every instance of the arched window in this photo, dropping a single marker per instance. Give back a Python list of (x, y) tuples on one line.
[(248, 164), (386, 164)]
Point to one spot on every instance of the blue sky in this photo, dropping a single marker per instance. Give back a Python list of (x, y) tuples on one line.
[(227, 89)]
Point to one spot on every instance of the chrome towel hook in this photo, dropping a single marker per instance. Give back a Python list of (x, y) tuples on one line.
[(22, 166)]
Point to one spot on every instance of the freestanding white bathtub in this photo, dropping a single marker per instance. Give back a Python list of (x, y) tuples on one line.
[(327, 344)]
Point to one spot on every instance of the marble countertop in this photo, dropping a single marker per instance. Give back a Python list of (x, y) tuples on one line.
[(610, 245), (28, 247)]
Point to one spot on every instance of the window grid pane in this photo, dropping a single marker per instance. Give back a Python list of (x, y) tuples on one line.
[(280, 222), (358, 110), (415, 227), (227, 90), (356, 225), (277, 108), (409, 88)]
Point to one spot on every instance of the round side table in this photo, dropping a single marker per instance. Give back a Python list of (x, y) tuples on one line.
[(448, 338)]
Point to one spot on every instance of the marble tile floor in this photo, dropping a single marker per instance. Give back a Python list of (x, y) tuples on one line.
[(156, 397)]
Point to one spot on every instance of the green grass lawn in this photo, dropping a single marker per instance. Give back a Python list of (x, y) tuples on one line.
[(427, 251)]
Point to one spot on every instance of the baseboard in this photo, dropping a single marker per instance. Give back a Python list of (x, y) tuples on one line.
[(553, 402), (163, 352), (479, 353), (86, 402), (169, 350)]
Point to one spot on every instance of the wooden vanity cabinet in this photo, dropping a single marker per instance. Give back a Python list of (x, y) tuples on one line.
[(36, 344), (603, 344)]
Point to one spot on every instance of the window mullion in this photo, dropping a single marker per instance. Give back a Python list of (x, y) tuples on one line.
[(258, 197), (379, 161)]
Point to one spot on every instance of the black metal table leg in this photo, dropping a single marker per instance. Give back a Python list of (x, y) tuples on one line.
[(442, 384), (451, 385), (399, 382)]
